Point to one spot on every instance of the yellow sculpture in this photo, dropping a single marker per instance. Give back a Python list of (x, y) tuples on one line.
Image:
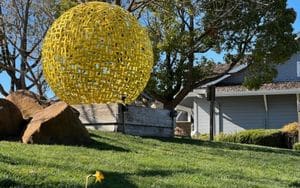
[(97, 53)]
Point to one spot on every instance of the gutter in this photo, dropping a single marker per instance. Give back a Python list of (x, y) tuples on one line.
[(253, 93)]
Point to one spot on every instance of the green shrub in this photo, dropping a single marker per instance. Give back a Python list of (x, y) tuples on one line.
[(264, 137), (297, 146), (226, 137), (201, 137)]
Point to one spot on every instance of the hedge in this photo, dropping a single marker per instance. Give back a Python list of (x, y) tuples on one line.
[(297, 146), (264, 137)]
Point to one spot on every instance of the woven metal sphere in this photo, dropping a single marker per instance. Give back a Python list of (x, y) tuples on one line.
[(97, 53)]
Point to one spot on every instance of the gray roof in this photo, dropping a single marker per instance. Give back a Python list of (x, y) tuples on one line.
[(223, 67), (270, 88)]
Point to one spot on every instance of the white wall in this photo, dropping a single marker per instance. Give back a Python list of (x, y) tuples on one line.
[(102, 117), (235, 114), (282, 110), (140, 121), (143, 121)]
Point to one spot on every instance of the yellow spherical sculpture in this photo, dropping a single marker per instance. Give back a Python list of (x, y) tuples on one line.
[(97, 53)]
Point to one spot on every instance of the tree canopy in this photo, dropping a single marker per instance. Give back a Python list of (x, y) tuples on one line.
[(183, 32), (258, 33)]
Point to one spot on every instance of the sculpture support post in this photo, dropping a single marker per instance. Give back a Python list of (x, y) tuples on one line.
[(173, 115), (123, 109)]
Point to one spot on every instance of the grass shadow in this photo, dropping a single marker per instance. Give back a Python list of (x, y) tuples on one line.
[(227, 145), (94, 144), (113, 180), (295, 184), (10, 139), (7, 160), (15, 161), (93, 135), (164, 173), (11, 180), (8, 182), (234, 175)]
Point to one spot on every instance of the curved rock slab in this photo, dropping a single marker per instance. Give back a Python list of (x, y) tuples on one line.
[(28, 102), (11, 121), (56, 124)]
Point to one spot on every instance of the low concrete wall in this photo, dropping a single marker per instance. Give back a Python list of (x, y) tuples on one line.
[(104, 117), (148, 122), (139, 121)]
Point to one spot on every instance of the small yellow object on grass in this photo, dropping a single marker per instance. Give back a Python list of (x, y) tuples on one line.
[(98, 176)]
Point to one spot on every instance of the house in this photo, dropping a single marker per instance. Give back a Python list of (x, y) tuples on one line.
[(237, 108)]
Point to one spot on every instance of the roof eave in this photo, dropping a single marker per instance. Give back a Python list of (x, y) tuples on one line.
[(258, 92)]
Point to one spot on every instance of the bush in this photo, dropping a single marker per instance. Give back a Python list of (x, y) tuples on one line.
[(297, 146), (263, 137), (290, 132), (227, 137), (201, 137)]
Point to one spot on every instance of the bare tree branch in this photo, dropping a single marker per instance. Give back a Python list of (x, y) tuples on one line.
[(2, 91), (18, 33)]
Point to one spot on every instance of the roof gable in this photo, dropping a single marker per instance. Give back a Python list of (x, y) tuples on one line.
[(287, 72)]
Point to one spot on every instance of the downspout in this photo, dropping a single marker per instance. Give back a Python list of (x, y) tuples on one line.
[(218, 121), (196, 117), (266, 112), (298, 112)]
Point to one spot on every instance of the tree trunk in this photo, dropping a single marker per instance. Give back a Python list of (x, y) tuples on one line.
[(118, 2)]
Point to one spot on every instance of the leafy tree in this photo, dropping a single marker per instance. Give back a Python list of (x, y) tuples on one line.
[(134, 6), (243, 31)]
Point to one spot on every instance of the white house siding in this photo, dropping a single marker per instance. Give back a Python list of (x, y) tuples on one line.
[(282, 110), (286, 72), (201, 116), (248, 112), (201, 119), (240, 113), (235, 114)]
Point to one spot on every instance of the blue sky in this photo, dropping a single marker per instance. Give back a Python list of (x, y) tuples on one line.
[(296, 5), (291, 3)]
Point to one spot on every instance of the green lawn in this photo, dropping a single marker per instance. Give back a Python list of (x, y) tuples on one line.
[(128, 161)]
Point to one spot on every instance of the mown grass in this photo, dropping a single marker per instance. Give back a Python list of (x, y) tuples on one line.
[(129, 161)]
